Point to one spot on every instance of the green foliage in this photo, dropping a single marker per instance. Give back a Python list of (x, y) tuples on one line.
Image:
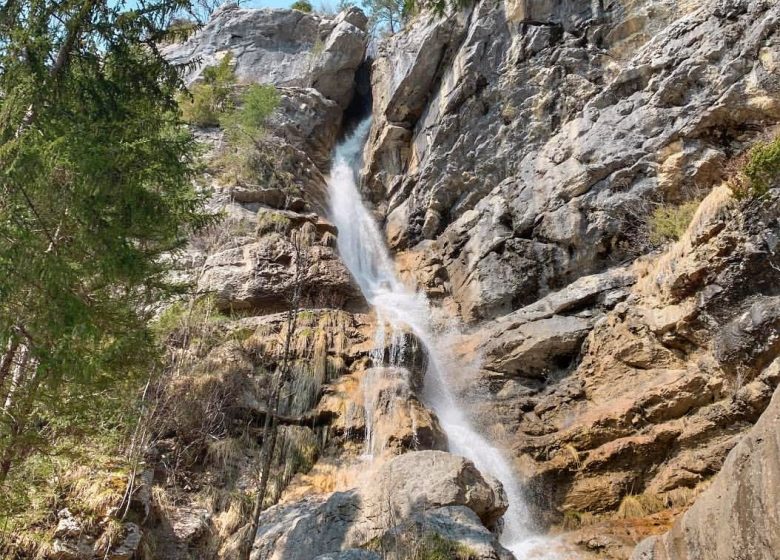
[(250, 158), (184, 315), (387, 15), (246, 121), (668, 223), (96, 192), (436, 547), (43, 483), (269, 221), (180, 29), (208, 102), (303, 6), (438, 7), (759, 170), (415, 544)]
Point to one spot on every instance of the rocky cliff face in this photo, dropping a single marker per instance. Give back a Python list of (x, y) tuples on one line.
[(737, 516), (517, 150), (517, 146)]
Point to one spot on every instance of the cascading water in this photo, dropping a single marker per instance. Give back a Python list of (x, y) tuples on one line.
[(400, 310)]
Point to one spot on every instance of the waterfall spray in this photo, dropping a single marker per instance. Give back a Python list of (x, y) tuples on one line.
[(363, 249)]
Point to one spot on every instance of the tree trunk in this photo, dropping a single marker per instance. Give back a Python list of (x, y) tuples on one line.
[(26, 370), (271, 425), (8, 359), (17, 378)]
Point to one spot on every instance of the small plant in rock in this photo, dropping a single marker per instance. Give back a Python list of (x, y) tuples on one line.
[(639, 505), (669, 222), (251, 157), (757, 170)]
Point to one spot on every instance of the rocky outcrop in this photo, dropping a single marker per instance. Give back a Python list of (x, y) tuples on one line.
[(397, 420), (287, 48), (541, 131), (263, 274), (447, 490), (739, 515)]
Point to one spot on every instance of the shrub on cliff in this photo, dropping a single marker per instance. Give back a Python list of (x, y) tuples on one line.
[(208, 102), (757, 170), (302, 6), (669, 222), (250, 158)]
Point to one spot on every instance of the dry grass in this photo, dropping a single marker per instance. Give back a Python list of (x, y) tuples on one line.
[(572, 452), (231, 511), (669, 222), (112, 535), (640, 505), (573, 520), (95, 493), (226, 454), (655, 274), (161, 501)]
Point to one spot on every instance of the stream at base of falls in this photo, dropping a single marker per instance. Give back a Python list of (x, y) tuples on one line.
[(399, 311)]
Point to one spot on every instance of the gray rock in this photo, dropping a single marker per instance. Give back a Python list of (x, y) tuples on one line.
[(752, 340), (287, 48), (353, 554), (532, 349), (530, 177), (402, 488), (309, 121), (739, 515), (261, 274), (431, 479), (67, 526), (456, 524), (128, 548)]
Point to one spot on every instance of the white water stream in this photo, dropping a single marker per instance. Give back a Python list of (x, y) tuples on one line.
[(363, 249)]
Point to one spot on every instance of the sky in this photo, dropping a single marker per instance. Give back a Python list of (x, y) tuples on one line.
[(269, 3)]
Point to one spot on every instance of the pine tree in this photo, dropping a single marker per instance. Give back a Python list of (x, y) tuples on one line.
[(95, 190)]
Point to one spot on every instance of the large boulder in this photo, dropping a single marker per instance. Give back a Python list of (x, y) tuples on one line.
[(287, 48), (405, 487), (261, 274), (395, 419)]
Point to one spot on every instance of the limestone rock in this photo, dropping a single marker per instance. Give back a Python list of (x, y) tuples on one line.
[(287, 48), (455, 524), (67, 526), (665, 381), (353, 554), (407, 485), (430, 479), (261, 274), (739, 515), (309, 121), (128, 548), (528, 177), (753, 339)]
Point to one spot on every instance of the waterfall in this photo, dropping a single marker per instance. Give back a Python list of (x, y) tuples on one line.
[(398, 309)]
